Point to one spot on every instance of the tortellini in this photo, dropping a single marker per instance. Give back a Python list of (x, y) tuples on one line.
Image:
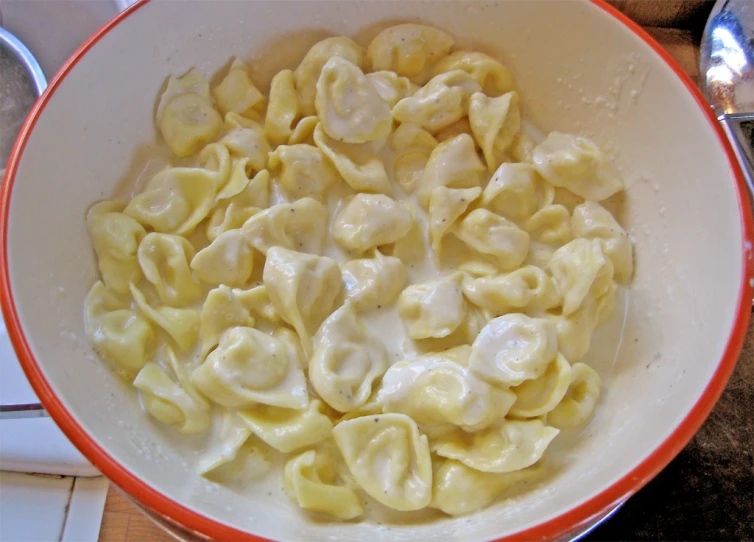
[(436, 391), (236, 93), (348, 106), (513, 348), (458, 489), (592, 221), (286, 429), (494, 78), (167, 401), (369, 221), (308, 72), (580, 400), (494, 237), (303, 288), (389, 458), (250, 367), (440, 103), (452, 164), (283, 108), (178, 198), (433, 309), (185, 115), (511, 446), (359, 167), (375, 278), (408, 50), (305, 172), (516, 192), (411, 146), (371, 282), (527, 289), (116, 332), (494, 123), (580, 269), (346, 361), (164, 259), (181, 324), (576, 163), (309, 480), (301, 226), (116, 239)]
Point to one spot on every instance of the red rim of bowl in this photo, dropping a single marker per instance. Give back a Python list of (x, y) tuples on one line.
[(559, 526)]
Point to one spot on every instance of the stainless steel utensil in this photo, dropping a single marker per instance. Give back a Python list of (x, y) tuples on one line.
[(727, 66)]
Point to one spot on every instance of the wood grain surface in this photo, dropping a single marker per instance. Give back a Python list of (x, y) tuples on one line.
[(123, 522)]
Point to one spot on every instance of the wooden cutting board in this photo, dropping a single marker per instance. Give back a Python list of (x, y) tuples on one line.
[(122, 521)]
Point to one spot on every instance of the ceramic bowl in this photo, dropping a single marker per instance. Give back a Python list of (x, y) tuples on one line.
[(581, 67)]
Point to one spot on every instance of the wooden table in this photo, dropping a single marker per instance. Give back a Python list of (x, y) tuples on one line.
[(122, 521)]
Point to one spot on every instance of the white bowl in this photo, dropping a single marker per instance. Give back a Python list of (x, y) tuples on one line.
[(581, 67)]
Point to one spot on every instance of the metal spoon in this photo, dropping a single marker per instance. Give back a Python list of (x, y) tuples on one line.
[(727, 64)]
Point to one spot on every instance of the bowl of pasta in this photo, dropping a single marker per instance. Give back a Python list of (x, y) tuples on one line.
[(375, 270)]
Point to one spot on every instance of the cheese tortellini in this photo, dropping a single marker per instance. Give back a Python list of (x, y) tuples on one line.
[(375, 278)]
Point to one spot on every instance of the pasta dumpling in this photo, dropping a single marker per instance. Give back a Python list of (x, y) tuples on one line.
[(551, 225), (452, 164), (233, 212), (510, 446), (228, 260), (411, 146), (494, 122), (178, 198), (301, 226), (168, 402), (357, 164), (516, 192), (310, 481), (445, 207), (576, 163), (494, 78), (440, 103), (580, 269), (303, 288), (388, 458), (304, 131), (391, 87), (437, 391), (592, 221), (186, 117), (224, 308), (181, 324), (408, 50), (283, 108), (347, 360), (234, 455), (513, 348), (308, 72), (117, 333), (246, 138), (580, 401), (304, 171), (372, 282), (541, 395), (458, 489), (527, 289), (164, 259), (433, 309), (250, 367), (236, 93), (348, 106), (494, 237), (288, 430), (370, 220), (116, 238), (522, 148)]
